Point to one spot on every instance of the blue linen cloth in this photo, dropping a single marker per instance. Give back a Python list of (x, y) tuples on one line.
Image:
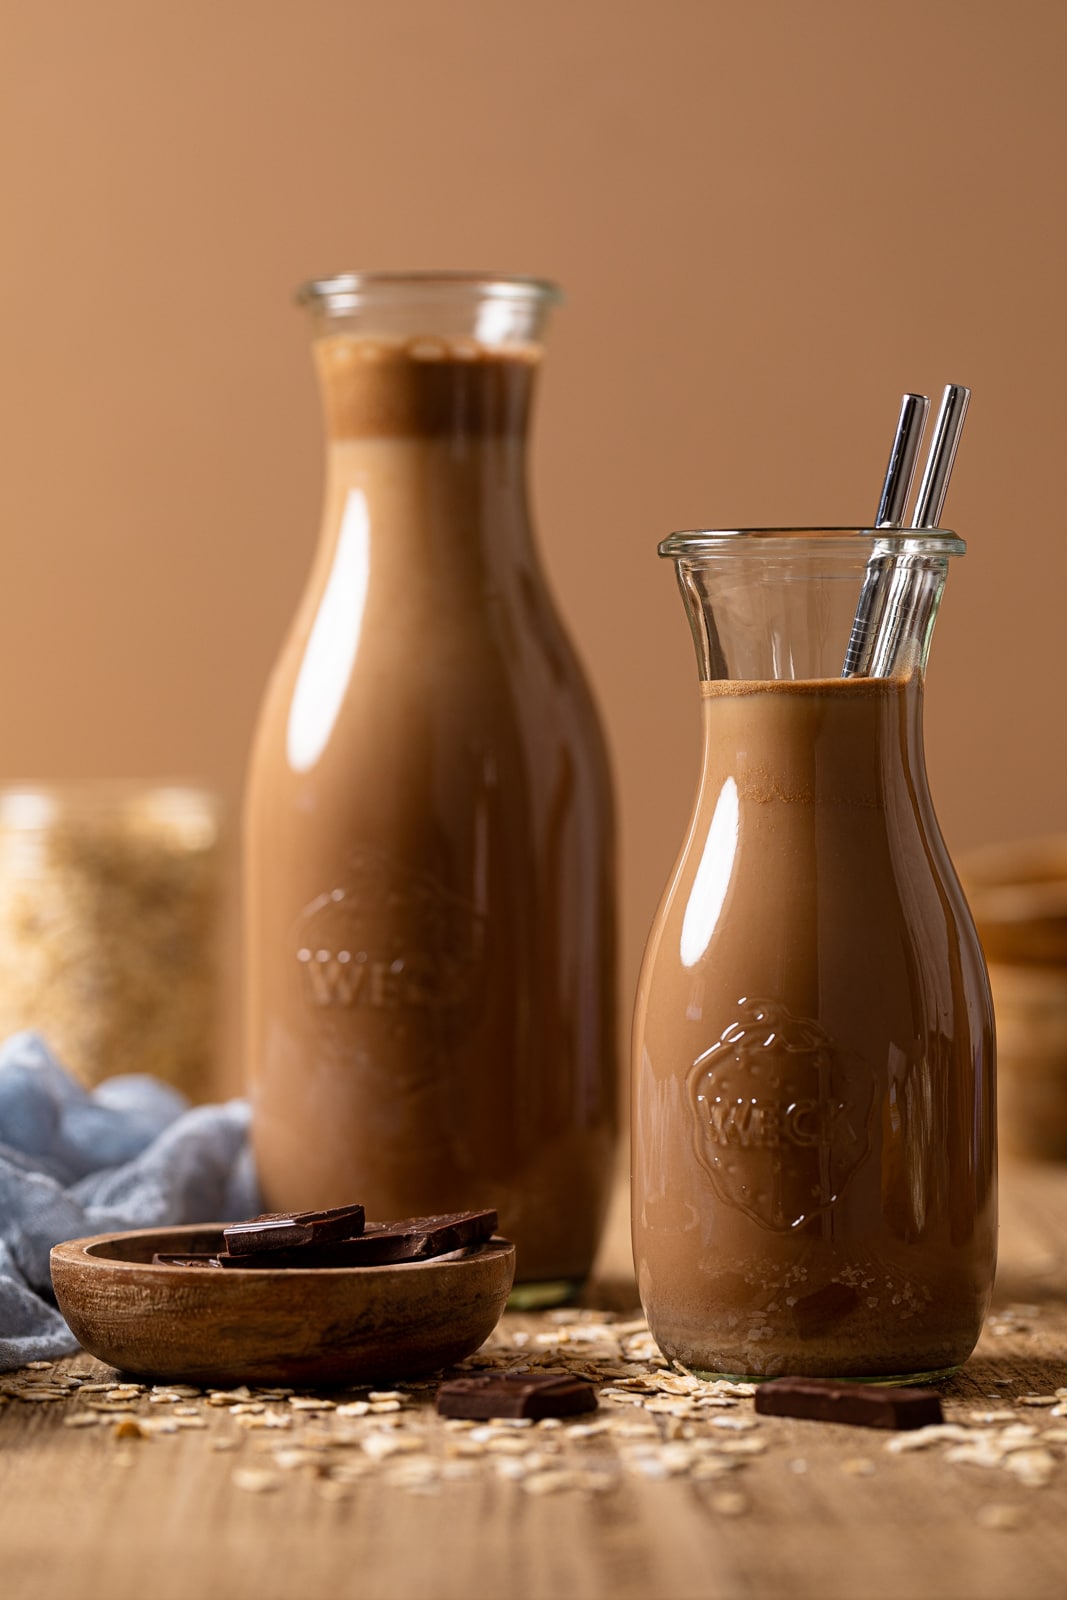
[(130, 1153)]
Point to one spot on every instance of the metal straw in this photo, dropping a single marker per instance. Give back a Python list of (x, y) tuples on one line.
[(907, 587), (934, 485), (902, 457), (891, 508)]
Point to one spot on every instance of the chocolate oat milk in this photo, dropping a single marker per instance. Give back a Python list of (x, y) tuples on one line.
[(430, 898), (814, 1179)]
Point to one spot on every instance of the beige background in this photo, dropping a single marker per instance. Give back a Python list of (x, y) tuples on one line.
[(770, 217)]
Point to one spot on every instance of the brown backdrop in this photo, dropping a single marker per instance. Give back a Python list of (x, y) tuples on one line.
[(770, 218)]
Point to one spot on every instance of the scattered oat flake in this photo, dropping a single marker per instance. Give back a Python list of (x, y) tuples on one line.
[(154, 1425), (730, 1504), (922, 1438), (82, 1419), (303, 1402), (982, 1453), (289, 1460), (748, 1446), (353, 1408), (1036, 1399), (635, 1430), (1017, 1437), (1033, 1468), (39, 1366), (1000, 1518), (255, 1480), (222, 1442), (507, 1445), (186, 1411), (587, 1430), (554, 1479), (417, 1469), (380, 1445), (128, 1428), (352, 1470), (714, 1467)]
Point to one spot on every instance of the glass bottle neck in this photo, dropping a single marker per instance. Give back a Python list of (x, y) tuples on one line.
[(447, 503), (431, 435), (788, 608), (425, 388)]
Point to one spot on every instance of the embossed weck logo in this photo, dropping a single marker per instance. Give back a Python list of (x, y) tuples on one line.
[(780, 1120), (389, 941)]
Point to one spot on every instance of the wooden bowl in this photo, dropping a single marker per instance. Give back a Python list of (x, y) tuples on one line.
[(299, 1326), (1031, 1010), (1018, 895)]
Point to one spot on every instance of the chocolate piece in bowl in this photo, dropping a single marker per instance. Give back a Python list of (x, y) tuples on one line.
[(516, 1394), (381, 1244), (284, 1230), (860, 1404), (185, 1261)]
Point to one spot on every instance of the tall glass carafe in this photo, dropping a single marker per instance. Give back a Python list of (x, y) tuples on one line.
[(430, 895), (813, 1118)]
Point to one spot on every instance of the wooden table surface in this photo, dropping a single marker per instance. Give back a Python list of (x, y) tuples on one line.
[(667, 1504)]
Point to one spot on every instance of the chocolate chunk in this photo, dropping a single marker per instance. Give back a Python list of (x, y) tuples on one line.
[(285, 1230), (866, 1405), (516, 1394), (451, 1231), (380, 1244)]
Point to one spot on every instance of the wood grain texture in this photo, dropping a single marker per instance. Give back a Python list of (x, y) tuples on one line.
[(82, 1514)]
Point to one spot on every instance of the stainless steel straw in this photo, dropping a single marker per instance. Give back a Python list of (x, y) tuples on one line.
[(902, 458), (934, 485), (900, 590), (891, 509)]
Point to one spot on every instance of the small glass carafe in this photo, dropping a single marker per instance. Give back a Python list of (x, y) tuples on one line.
[(429, 825), (814, 1179)]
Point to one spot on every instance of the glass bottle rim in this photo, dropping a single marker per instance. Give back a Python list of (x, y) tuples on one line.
[(708, 543), (346, 292)]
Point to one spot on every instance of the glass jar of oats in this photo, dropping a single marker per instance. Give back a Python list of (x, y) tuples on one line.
[(109, 921)]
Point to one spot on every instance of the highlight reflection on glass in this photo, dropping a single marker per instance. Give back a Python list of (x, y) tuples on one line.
[(333, 641), (712, 878)]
